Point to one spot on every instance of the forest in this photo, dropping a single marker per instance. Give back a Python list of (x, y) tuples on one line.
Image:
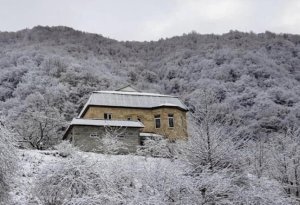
[(243, 95)]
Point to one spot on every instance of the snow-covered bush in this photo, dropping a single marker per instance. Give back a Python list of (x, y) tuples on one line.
[(227, 187), (113, 180), (69, 180), (65, 149), (110, 142), (261, 191), (213, 158), (162, 182), (156, 147), (100, 179)]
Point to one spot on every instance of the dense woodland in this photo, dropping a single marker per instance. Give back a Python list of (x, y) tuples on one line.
[(242, 89)]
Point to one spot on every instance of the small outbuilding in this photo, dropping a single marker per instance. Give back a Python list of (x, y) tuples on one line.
[(87, 134)]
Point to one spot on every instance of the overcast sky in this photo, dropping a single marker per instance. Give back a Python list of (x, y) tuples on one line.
[(153, 19)]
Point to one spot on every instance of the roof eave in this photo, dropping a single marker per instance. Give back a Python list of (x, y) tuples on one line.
[(94, 105)]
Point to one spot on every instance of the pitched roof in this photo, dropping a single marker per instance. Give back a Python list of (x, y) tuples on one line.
[(132, 100), (110, 123)]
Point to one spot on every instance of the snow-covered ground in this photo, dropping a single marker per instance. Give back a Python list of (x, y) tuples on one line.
[(45, 177), (34, 164)]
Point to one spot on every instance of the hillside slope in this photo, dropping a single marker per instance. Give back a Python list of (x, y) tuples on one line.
[(45, 177), (36, 167), (47, 73)]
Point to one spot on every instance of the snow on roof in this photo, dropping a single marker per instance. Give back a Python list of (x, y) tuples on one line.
[(168, 104), (147, 134), (112, 123), (132, 100), (133, 93)]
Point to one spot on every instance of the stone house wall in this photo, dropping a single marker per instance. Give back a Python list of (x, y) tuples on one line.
[(179, 131)]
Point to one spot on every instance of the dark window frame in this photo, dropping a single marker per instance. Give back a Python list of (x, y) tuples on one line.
[(157, 121), (171, 120), (94, 135), (107, 116)]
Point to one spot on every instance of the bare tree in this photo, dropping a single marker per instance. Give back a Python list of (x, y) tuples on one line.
[(257, 155), (157, 146), (284, 161), (40, 123), (110, 142), (211, 144), (8, 160)]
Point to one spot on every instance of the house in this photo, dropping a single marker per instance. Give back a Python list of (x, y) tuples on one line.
[(136, 114)]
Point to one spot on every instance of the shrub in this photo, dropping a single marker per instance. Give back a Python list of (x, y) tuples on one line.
[(65, 149), (156, 147)]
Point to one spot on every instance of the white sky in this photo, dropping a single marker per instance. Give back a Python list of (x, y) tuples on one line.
[(153, 19)]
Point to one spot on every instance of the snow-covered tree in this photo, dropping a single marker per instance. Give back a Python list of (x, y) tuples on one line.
[(211, 143), (256, 154), (39, 124), (157, 146), (111, 142), (284, 161), (212, 149), (8, 161)]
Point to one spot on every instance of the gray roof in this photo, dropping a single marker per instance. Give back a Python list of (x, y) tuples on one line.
[(132, 100), (104, 123), (111, 123)]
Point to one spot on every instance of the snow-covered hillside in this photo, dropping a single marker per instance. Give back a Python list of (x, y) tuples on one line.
[(36, 166), (32, 164), (242, 91), (45, 177), (49, 72)]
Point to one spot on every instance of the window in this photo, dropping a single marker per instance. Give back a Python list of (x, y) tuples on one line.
[(107, 116), (157, 121), (171, 120), (139, 118), (129, 117), (94, 135)]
